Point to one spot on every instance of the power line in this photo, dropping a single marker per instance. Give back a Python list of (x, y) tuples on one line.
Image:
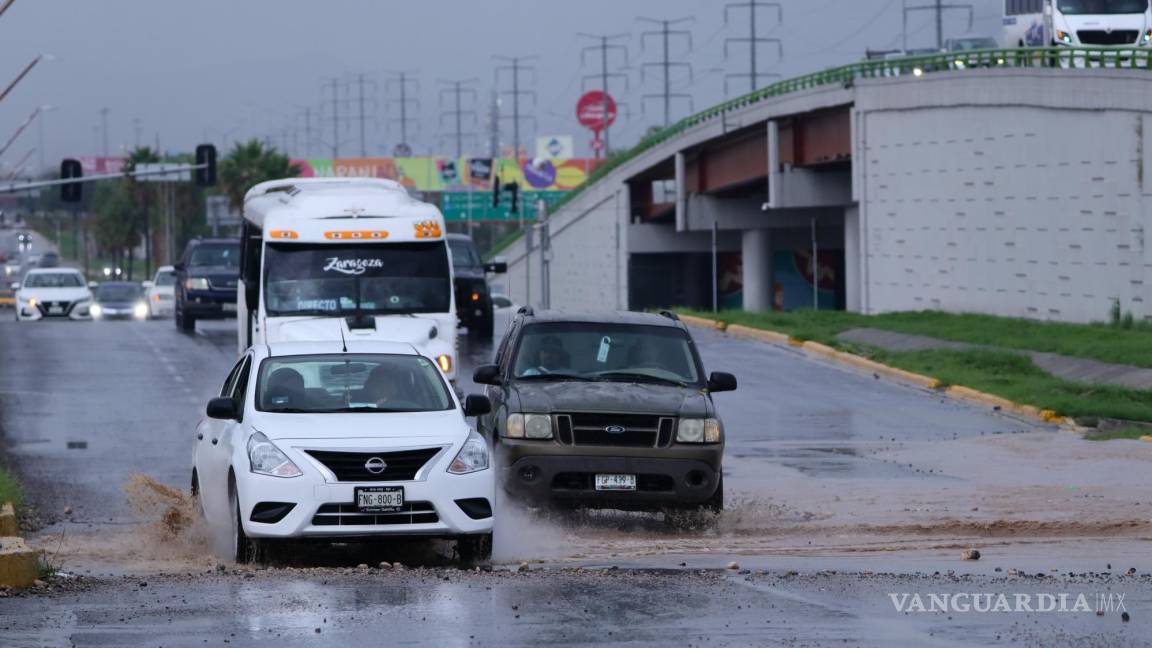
[(753, 40), (402, 81), (516, 67), (458, 90), (666, 33), (605, 48)]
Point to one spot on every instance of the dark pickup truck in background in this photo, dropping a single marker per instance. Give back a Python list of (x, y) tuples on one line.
[(473, 295)]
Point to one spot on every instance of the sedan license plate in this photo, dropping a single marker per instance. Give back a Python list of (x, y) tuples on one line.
[(56, 310), (380, 499), (615, 482)]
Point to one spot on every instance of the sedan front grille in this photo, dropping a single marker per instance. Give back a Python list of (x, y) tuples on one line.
[(626, 430), (55, 308), (347, 515), (353, 466)]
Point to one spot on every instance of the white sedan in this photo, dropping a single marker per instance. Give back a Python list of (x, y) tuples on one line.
[(53, 293), (323, 440), (162, 293)]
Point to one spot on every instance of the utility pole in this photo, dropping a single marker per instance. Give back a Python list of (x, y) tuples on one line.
[(104, 130), (516, 67), (458, 90), (136, 130), (938, 7), (309, 136), (604, 77), (494, 125), (666, 33), (753, 40), (398, 89)]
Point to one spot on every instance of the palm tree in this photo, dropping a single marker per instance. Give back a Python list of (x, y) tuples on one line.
[(250, 163)]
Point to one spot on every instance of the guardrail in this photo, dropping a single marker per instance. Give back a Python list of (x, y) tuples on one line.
[(1041, 57)]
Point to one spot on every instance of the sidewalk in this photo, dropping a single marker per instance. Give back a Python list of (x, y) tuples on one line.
[(1073, 369)]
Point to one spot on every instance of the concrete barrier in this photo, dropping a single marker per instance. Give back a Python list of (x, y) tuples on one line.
[(18, 563), (7, 520)]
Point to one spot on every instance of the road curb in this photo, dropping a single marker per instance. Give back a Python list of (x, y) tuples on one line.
[(1146, 438), (956, 392), (7, 520), (18, 563)]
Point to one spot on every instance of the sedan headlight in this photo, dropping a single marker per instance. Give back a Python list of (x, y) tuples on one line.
[(698, 431), (473, 457), (528, 426), (196, 283), (140, 310), (95, 310), (267, 459)]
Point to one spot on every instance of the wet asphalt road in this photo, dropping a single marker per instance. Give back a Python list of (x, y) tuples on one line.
[(83, 405)]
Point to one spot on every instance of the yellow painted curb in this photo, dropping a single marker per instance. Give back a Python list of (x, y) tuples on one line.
[(1146, 438), (860, 362), (704, 322), (17, 563), (771, 337), (7, 520)]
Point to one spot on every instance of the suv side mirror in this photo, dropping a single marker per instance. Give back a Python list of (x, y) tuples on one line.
[(486, 375), (223, 408), (178, 267), (720, 381), (496, 267), (477, 405)]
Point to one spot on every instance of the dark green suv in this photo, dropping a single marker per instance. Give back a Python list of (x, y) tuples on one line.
[(610, 411)]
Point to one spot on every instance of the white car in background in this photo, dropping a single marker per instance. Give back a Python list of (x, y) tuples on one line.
[(162, 293), (53, 293), (323, 440)]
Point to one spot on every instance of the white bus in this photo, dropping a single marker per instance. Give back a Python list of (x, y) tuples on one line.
[(1088, 23), (352, 257)]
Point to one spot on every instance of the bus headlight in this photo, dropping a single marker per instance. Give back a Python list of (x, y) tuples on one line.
[(1063, 37), (1146, 38)]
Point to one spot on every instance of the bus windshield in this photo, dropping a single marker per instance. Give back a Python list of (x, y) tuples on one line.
[(356, 279), (1088, 7)]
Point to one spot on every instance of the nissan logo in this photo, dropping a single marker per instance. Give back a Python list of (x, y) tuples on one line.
[(375, 465), (615, 429)]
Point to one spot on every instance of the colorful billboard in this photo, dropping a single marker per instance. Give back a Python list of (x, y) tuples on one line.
[(432, 174)]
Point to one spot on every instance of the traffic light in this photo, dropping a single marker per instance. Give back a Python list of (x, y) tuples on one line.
[(513, 190), (72, 191), (206, 158)]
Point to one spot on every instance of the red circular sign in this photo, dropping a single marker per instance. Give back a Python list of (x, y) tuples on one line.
[(591, 109)]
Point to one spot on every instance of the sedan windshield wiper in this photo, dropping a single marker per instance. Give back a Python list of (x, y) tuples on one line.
[(641, 377)]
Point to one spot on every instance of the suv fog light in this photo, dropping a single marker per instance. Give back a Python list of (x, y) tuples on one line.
[(695, 478), (529, 473)]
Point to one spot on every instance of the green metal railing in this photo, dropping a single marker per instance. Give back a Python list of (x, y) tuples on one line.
[(1049, 57)]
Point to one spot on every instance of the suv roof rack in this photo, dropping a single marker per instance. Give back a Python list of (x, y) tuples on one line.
[(670, 315)]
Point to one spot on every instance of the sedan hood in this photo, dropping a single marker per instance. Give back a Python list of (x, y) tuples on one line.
[(419, 427), (609, 397), (54, 294)]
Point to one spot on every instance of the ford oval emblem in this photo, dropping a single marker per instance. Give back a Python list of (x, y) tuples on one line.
[(615, 429), (375, 465)]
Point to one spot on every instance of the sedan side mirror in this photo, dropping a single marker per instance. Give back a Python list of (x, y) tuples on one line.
[(146, 284), (477, 405), (223, 408), (15, 285), (92, 285), (486, 375), (496, 267), (720, 381)]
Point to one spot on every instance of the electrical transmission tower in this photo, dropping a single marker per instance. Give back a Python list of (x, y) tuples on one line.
[(938, 7), (336, 106), (399, 88), (604, 48), (753, 40), (516, 67), (666, 34), (364, 103), (458, 90)]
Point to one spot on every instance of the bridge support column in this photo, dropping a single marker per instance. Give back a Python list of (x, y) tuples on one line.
[(853, 270), (757, 260)]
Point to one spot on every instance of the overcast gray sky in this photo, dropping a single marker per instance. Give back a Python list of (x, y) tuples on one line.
[(240, 68)]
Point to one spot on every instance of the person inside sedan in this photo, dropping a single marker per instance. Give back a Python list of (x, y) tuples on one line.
[(385, 386), (285, 390)]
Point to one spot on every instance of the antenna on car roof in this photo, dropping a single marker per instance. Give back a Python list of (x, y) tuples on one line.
[(343, 342)]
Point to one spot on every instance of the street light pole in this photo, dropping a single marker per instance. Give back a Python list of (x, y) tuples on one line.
[(20, 77)]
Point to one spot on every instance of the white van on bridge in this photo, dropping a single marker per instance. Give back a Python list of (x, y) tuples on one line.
[(322, 258)]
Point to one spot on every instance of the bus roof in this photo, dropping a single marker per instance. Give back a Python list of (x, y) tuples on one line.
[(331, 210)]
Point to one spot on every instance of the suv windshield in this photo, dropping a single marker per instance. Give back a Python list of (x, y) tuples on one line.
[(54, 280), (606, 352), (118, 293), (464, 254), (1078, 7), (206, 255), (372, 279), (351, 383)]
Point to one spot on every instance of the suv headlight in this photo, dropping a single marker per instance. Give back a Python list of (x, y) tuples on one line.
[(473, 457), (528, 426), (698, 431), (267, 459), (196, 283)]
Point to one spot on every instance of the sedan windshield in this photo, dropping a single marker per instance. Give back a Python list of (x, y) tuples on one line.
[(1088, 7), (54, 280), (351, 383), (118, 293), (165, 279), (366, 279), (590, 351)]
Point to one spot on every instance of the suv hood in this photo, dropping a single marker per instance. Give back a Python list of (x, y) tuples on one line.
[(403, 428), (640, 398)]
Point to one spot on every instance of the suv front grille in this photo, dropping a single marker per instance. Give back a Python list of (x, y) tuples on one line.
[(592, 429), (350, 466), (347, 515), (1101, 37)]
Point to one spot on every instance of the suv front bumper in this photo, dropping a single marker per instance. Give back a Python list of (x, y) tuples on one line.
[(660, 481)]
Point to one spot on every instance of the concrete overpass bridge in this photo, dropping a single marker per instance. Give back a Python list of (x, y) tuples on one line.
[(1011, 182)]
